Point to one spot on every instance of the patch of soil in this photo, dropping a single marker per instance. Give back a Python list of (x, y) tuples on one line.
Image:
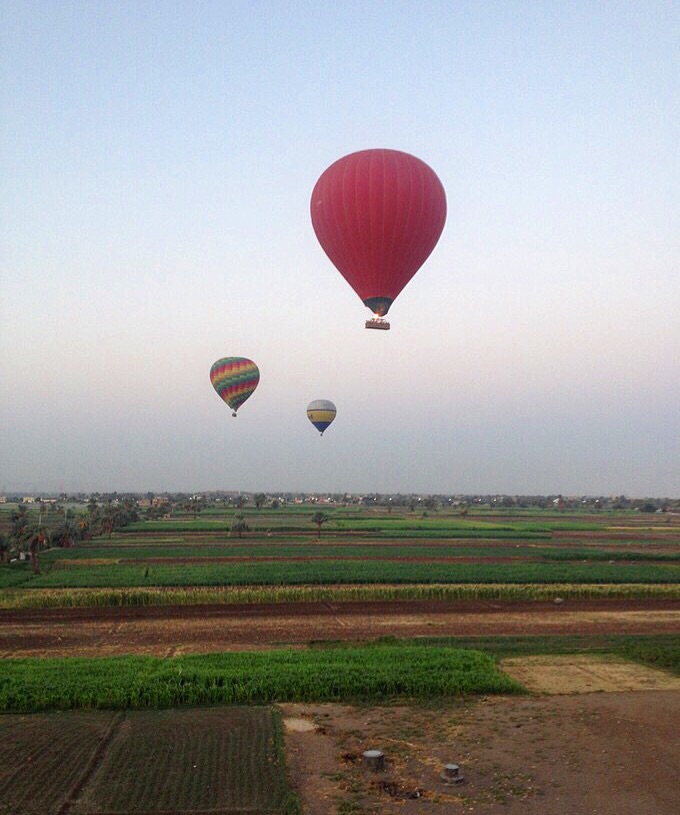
[(586, 674), (297, 725), (553, 755)]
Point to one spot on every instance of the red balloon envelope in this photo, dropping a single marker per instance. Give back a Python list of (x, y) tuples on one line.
[(378, 215)]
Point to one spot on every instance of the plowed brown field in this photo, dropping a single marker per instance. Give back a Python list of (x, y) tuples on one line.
[(201, 629)]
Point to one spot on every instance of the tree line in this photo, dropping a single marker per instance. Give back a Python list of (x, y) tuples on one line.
[(60, 527)]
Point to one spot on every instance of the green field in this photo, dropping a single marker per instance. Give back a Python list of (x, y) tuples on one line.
[(656, 650), (278, 573), (416, 669), (381, 672), (394, 551), (359, 546)]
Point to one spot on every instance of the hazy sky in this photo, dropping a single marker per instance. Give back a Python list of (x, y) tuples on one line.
[(157, 164)]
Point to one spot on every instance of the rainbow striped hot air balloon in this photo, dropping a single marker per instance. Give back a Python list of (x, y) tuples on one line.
[(321, 413), (234, 379)]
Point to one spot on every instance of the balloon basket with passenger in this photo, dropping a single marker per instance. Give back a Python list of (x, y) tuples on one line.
[(378, 322)]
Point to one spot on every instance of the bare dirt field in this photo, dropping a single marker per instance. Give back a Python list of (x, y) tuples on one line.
[(184, 629), (586, 674), (591, 754)]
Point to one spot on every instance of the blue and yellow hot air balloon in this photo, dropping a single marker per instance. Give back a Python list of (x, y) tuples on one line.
[(321, 413), (234, 379)]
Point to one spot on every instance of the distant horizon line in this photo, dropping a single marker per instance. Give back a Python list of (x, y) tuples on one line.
[(19, 492)]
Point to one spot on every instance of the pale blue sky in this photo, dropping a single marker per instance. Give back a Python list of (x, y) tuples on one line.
[(157, 162)]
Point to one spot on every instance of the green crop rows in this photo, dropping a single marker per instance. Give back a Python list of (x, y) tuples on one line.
[(368, 529), (14, 575), (34, 776), (335, 550), (246, 678), (338, 571), (659, 650), (226, 760)]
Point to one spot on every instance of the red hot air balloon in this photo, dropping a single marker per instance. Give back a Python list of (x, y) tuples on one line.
[(378, 215)]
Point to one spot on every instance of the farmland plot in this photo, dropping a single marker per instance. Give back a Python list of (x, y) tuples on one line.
[(222, 760), (43, 756)]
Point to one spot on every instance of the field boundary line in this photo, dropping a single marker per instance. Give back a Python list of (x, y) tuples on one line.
[(93, 763)]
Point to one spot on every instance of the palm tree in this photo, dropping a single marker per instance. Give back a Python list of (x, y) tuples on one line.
[(107, 520), (239, 526), (260, 500), (19, 520), (4, 547), (84, 527), (66, 534), (319, 518), (93, 511), (193, 506), (38, 540)]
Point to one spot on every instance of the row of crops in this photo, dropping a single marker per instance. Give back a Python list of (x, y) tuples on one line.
[(195, 595), (377, 672), (153, 550), (277, 573), (409, 551), (217, 759)]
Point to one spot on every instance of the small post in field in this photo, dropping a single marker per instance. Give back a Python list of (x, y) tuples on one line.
[(374, 760)]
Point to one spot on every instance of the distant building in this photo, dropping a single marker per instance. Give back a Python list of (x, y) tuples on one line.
[(3, 499), (28, 499)]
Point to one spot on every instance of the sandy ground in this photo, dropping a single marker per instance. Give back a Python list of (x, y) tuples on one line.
[(586, 674), (613, 753), (174, 630)]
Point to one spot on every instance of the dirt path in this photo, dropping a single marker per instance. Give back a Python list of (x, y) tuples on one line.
[(591, 754), (165, 630)]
